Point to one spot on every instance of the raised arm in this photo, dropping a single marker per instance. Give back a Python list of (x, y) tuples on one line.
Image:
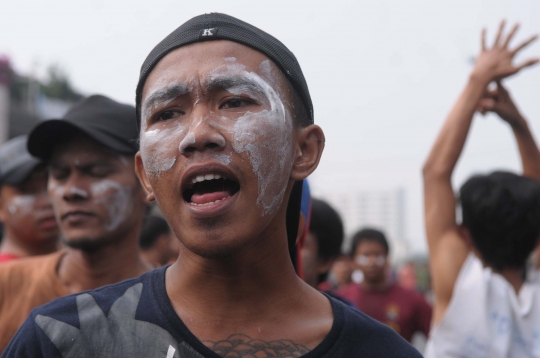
[(499, 101), (447, 248)]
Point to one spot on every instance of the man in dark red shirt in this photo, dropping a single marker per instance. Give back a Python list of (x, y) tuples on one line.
[(406, 311)]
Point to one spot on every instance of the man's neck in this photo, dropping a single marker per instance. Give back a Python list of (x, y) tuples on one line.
[(375, 286), (10, 245), (81, 270), (256, 293), (514, 277)]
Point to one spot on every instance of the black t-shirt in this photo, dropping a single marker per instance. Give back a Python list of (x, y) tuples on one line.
[(135, 319)]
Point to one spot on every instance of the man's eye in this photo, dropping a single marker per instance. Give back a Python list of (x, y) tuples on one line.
[(170, 114), (100, 171), (59, 174), (236, 103)]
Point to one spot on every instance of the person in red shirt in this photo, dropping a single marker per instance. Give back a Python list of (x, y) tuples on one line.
[(405, 310), (26, 212)]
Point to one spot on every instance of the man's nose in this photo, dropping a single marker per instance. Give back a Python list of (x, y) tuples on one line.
[(74, 188), (203, 134)]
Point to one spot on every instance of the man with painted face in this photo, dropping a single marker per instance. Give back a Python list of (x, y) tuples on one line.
[(404, 310), (26, 212), (98, 202), (226, 129)]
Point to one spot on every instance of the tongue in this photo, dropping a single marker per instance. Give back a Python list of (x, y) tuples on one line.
[(209, 197)]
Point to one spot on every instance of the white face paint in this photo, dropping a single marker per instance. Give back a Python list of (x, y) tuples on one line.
[(22, 205), (266, 136), (115, 198)]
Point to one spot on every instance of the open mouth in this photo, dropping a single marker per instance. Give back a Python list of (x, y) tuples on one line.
[(209, 189)]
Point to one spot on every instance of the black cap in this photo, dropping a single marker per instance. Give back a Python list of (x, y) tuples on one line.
[(16, 163), (108, 122), (217, 26)]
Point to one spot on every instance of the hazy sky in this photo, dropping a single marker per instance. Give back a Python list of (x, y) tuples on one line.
[(382, 74)]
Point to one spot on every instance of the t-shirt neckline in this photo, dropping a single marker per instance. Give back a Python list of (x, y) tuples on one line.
[(181, 333)]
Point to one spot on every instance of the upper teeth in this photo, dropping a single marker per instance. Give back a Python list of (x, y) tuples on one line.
[(200, 178)]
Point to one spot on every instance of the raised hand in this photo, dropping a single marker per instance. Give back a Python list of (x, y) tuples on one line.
[(496, 63), (499, 101)]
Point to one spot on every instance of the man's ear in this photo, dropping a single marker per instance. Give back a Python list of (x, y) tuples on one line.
[(309, 148), (141, 174)]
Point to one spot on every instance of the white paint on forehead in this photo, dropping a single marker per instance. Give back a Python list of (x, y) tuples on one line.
[(266, 68), (116, 198), (230, 59)]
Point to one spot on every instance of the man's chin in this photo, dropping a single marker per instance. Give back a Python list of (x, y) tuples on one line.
[(86, 244)]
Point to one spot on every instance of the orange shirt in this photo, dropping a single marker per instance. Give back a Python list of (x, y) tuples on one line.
[(24, 285)]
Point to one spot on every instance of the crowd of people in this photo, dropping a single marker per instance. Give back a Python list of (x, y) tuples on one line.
[(185, 227)]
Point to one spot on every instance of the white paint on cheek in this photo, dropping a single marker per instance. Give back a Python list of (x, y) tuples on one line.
[(158, 148), (230, 59), (267, 137), (222, 158), (117, 200), (22, 205), (123, 160)]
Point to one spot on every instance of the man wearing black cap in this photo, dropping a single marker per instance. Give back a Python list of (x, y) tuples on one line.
[(25, 208), (227, 136), (98, 203)]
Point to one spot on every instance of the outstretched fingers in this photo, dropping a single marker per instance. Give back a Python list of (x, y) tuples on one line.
[(499, 33), (484, 39), (524, 44), (528, 63), (510, 35)]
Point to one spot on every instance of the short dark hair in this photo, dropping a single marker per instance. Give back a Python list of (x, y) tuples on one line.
[(299, 111), (369, 234), (502, 213), (327, 227), (153, 227)]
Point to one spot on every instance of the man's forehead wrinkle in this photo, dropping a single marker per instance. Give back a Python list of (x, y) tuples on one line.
[(227, 81), (167, 93)]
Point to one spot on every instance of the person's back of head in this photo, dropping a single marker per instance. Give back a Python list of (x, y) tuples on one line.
[(327, 227), (501, 211), (323, 242), (155, 241)]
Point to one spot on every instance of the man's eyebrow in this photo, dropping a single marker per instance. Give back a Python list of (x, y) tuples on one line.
[(232, 82), (166, 94)]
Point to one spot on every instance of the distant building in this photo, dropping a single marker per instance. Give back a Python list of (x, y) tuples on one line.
[(380, 209)]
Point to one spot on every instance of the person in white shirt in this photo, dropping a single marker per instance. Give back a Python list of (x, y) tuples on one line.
[(485, 304)]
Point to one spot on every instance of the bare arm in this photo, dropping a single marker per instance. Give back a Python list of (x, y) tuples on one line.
[(500, 102), (447, 248)]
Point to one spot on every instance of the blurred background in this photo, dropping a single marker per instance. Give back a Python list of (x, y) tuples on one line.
[(382, 75)]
